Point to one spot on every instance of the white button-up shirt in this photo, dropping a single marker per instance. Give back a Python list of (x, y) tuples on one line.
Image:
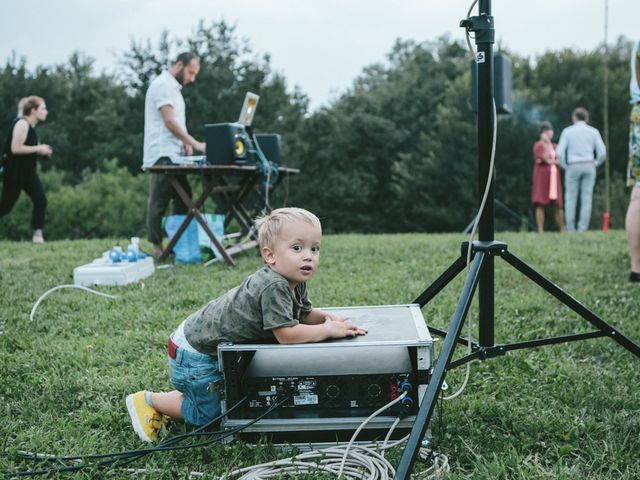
[(158, 140), (580, 143)]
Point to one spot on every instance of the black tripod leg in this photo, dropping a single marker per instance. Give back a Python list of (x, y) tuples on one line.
[(572, 303), (442, 281), (435, 382)]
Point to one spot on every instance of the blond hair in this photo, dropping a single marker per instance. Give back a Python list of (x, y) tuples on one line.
[(21, 103), (270, 225)]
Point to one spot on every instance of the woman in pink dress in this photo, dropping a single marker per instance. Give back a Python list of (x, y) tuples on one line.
[(547, 188)]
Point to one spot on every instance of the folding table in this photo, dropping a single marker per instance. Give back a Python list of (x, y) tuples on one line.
[(234, 183)]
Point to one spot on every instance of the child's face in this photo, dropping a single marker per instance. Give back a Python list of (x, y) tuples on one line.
[(296, 252)]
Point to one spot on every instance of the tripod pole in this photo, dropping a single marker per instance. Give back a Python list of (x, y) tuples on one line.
[(483, 27), (428, 402), (482, 268)]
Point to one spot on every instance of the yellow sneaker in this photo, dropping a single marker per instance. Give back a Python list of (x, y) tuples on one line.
[(146, 421)]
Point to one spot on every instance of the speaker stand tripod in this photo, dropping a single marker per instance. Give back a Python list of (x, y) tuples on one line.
[(481, 270)]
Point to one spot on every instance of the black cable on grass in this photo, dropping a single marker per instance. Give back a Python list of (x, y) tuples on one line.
[(166, 442), (124, 458)]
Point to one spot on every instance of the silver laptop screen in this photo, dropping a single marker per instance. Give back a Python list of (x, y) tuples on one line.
[(248, 109)]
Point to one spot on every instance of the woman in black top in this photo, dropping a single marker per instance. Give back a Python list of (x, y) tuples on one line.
[(20, 172)]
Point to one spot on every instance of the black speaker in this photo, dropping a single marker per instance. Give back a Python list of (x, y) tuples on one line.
[(227, 144), (502, 84), (269, 143)]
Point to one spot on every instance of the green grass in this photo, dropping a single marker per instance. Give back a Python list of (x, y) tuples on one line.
[(563, 411)]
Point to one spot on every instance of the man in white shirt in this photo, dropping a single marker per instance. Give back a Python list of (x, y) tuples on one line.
[(632, 221), (580, 151), (165, 138)]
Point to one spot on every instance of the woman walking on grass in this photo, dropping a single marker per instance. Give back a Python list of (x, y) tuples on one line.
[(21, 154)]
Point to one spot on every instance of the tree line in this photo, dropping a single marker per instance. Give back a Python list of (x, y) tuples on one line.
[(396, 152)]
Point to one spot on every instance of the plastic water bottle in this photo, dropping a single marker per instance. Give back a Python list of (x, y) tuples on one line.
[(133, 250), (135, 244)]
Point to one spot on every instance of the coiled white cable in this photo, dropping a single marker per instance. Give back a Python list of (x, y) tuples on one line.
[(46, 294), (350, 461), (362, 425)]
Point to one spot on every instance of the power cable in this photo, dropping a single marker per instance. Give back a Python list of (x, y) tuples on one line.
[(344, 460), (124, 458), (59, 287), (166, 442), (267, 168)]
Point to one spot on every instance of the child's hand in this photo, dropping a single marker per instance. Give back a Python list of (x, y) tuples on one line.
[(335, 318), (340, 327)]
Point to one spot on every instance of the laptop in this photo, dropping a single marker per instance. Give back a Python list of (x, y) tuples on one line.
[(248, 109)]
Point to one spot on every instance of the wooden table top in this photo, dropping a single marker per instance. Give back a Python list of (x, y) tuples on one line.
[(221, 169)]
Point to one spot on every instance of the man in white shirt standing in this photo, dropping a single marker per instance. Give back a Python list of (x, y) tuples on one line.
[(632, 221), (165, 138), (580, 151)]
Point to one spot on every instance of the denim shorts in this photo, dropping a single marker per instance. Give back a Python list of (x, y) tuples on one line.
[(196, 375)]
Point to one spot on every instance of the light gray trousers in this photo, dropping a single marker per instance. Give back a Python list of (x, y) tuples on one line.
[(579, 180)]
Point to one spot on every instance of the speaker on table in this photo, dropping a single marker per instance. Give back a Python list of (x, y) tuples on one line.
[(227, 144), (269, 143)]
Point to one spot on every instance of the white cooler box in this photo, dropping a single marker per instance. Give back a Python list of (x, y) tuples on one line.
[(103, 271)]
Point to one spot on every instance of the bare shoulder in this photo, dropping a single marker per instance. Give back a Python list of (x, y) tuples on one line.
[(21, 124)]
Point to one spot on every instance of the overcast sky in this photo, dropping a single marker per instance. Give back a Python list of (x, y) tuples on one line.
[(319, 45)]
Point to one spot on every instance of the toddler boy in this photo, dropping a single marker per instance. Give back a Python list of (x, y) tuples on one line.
[(271, 303)]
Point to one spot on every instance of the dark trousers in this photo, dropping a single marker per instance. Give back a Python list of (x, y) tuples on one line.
[(30, 183), (161, 192)]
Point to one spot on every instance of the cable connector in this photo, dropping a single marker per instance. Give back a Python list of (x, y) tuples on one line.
[(406, 386)]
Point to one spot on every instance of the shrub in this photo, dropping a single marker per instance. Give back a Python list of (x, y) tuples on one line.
[(107, 203)]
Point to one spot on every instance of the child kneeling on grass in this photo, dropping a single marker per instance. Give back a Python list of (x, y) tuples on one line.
[(272, 302)]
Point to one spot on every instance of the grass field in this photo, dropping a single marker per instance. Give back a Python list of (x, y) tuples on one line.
[(563, 411)]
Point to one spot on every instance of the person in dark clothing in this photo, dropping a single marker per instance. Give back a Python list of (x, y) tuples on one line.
[(22, 151)]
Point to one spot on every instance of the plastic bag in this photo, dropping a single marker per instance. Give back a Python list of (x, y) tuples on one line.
[(186, 249), (215, 222)]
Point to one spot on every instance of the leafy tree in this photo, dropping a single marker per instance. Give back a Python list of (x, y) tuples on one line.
[(371, 149), (396, 152), (228, 69), (84, 125)]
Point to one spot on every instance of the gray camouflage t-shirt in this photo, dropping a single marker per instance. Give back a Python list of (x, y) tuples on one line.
[(248, 312)]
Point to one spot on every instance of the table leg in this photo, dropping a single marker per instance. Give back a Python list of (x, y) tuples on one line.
[(194, 212), (235, 208)]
